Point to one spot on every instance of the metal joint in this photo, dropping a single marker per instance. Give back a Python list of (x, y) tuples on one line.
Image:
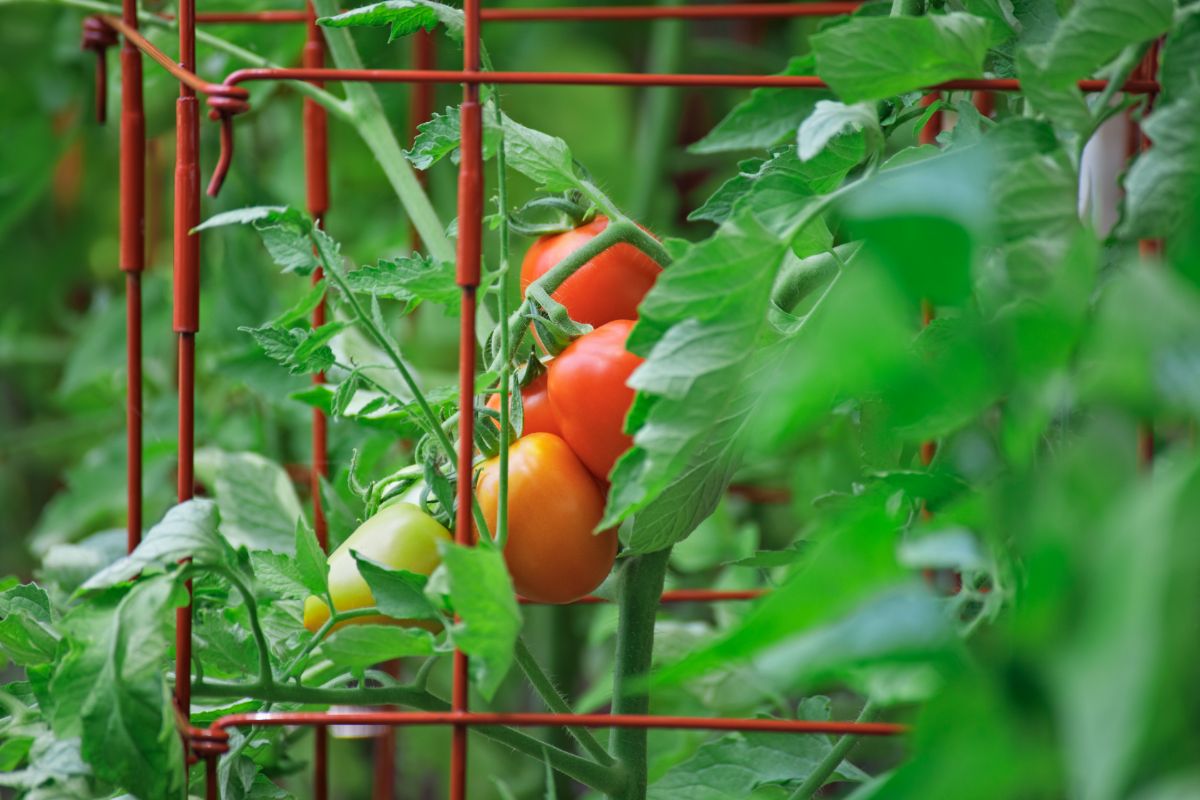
[(98, 37)]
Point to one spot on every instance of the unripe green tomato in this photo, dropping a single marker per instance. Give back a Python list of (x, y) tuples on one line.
[(400, 536)]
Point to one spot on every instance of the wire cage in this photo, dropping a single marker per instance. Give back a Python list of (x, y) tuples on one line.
[(228, 98)]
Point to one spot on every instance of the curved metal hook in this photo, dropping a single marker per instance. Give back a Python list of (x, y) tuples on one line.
[(224, 101), (98, 37)]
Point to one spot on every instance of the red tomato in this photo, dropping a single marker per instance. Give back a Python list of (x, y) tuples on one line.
[(535, 406), (608, 287), (589, 395), (553, 507)]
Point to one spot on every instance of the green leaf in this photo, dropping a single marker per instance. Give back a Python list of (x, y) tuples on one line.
[(111, 688), (440, 136), (311, 565), (1163, 185), (1179, 63), (301, 350), (189, 530), (544, 159), (27, 634), (257, 500), (50, 760), (404, 17), (362, 646), (278, 573), (1093, 33), (410, 279), (831, 118), (872, 58), (766, 118), (695, 329), (739, 763), (398, 593), (489, 622), (285, 231), (13, 752), (303, 307)]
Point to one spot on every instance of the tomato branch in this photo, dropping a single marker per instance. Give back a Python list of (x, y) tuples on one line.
[(832, 760), (265, 676), (554, 701)]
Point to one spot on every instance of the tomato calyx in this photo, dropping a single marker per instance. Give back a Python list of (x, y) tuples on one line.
[(551, 214), (551, 322)]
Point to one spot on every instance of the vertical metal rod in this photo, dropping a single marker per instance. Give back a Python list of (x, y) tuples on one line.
[(316, 171), (320, 762), (985, 103), (132, 201), (470, 232), (210, 778), (186, 312)]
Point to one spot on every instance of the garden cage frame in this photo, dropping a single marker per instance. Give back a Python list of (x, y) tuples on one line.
[(227, 99)]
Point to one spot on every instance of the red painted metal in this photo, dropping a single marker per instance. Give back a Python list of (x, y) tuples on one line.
[(609, 13), (320, 762), (985, 103), (470, 234), (420, 105), (98, 37)]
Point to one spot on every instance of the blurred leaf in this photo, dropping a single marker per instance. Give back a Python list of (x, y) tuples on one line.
[(27, 634), (871, 58), (1163, 185), (258, 503), (1093, 32), (765, 118), (311, 566), (830, 119), (489, 620)]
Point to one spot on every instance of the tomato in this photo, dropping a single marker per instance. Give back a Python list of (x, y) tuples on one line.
[(608, 287), (400, 536), (553, 507), (589, 395), (535, 406)]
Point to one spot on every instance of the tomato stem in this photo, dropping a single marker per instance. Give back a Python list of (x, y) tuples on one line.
[(265, 676), (639, 589), (501, 532), (554, 700), (833, 759)]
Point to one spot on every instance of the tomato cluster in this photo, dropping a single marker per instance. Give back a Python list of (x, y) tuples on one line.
[(573, 420), (573, 426)]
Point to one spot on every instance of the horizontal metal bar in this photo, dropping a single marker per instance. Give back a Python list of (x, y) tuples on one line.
[(607, 13), (675, 596), (538, 720), (625, 79), (185, 77)]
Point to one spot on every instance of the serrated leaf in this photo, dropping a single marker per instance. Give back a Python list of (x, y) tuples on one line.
[(872, 58), (302, 351), (27, 634), (303, 307), (403, 17), (482, 595), (441, 136), (410, 279)]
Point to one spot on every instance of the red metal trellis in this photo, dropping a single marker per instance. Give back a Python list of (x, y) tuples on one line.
[(227, 99)]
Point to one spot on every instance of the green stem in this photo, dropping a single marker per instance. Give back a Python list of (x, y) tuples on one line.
[(265, 676), (371, 121), (832, 760), (381, 338), (800, 278), (603, 778), (615, 233), (554, 700), (501, 533), (659, 115), (641, 584)]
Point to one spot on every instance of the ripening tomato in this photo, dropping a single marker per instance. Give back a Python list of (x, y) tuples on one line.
[(535, 408), (553, 507), (608, 287), (400, 536), (589, 395)]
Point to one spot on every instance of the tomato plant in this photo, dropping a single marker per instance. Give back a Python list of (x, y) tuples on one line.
[(552, 551), (891, 382)]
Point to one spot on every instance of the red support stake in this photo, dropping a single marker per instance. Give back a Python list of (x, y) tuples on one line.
[(133, 262), (186, 313), (316, 171), (420, 104), (320, 762), (470, 234), (930, 130)]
